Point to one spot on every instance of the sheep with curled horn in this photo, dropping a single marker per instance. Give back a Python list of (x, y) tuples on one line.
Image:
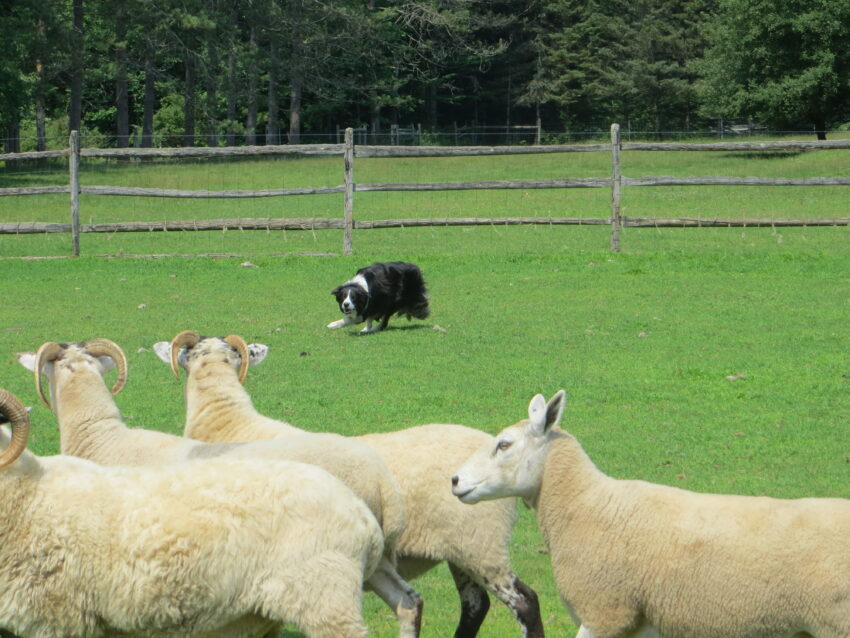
[(635, 559), (474, 543), (91, 427), (91, 551)]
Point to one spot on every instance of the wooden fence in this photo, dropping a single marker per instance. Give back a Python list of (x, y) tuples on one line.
[(347, 223)]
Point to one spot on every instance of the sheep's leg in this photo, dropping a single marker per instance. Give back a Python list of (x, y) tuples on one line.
[(521, 600), (474, 603), (400, 597)]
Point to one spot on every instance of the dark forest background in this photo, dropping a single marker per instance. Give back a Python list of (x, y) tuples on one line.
[(213, 72)]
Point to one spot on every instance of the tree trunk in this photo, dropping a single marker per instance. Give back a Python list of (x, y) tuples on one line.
[(432, 103), (296, 78), (75, 112), (121, 94), (189, 100), (232, 85), (251, 121), (40, 110), (820, 127), (272, 126), (212, 95), (40, 118), (231, 98), (13, 137), (149, 98), (376, 113), (295, 111)]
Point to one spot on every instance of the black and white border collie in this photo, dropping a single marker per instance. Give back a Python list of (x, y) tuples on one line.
[(378, 292)]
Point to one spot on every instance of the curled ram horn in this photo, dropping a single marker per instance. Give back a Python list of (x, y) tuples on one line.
[(187, 338), (47, 352), (238, 343), (107, 348), (19, 420)]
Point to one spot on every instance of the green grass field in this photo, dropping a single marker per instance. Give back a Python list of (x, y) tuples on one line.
[(710, 359)]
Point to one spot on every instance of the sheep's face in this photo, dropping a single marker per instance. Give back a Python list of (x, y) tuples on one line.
[(210, 350), (511, 465), (72, 359), (69, 366)]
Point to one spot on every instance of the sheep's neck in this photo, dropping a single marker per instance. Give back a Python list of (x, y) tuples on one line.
[(218, 409), (570, 479), (88, 417), (215, 401)]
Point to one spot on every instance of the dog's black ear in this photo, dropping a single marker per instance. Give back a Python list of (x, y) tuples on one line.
[(335, 291)]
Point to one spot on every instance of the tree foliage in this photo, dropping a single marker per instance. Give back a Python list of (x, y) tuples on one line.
[(271, 71), (786, 62)]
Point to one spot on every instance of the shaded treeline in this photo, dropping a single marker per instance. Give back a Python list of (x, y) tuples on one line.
[(186, 72)]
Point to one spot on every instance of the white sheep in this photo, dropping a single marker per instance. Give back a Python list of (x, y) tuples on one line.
[(473, 541), (204, 548), (91, 427), (632, 558)]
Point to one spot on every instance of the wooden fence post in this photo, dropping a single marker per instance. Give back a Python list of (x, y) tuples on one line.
[(348, 199), (615, 187), (74, 187)]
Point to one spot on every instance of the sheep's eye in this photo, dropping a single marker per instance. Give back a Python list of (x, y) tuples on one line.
[(503, 445)]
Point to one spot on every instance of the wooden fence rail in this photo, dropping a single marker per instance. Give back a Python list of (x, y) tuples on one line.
[(349, 152)]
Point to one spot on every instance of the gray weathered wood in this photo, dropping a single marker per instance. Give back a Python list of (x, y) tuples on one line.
[(348, 197), (736, 181), (455, 151), (74, 188), (216, 151), (247, 223), (34, 190), (7, 157), (323, 223), (205, 194), (522, 184), (480, 221), (789, 145), (32, 228), (616, 180), (677, 222)]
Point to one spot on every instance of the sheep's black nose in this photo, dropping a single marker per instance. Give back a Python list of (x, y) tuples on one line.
[(454, 480)]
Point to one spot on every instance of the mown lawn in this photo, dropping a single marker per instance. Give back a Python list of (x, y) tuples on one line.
[(710, 359)]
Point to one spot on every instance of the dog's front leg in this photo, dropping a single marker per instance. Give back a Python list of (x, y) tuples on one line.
[(345, 321), (369, 329)]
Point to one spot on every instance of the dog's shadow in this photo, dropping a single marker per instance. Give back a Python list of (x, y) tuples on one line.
[(404, 327)]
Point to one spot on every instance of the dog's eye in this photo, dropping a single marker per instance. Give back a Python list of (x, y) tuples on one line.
[(503, 445)]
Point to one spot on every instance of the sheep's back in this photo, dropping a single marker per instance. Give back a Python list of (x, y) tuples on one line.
[(121, 549), (438, 526)]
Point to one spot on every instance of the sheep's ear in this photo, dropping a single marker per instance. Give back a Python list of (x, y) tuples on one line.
[(537, 414), (257, 353), (163, 351), (546, 415), (555, 409), (26, 359)]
